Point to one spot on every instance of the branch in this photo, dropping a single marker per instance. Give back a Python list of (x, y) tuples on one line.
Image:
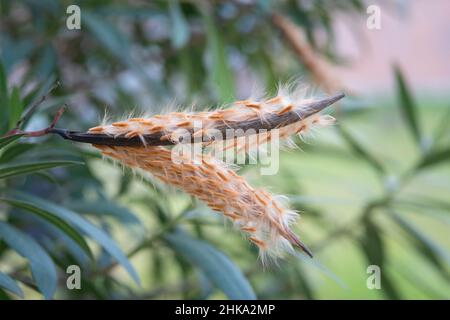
[(317, 66), (37, 133), (30, 111)]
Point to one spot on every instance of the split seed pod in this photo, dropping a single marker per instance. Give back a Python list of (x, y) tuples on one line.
[(145, 142)]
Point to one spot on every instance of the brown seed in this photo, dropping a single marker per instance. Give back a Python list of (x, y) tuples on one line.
[(249, 229), (285, 109), (223, 176), (274, 100), (157, 128), (264, 201), (254, 105), (315, 119), (120, 124), (215, 116), (184, 124), (96, 129), (165, 137), (301, 128), (131, 134), (147, 122), (258, 242), (232, 216)]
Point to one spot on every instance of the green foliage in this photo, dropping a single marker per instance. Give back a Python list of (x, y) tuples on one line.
[(407, 105), (53, 219), (60, 204), (217, 267), (41, 265)]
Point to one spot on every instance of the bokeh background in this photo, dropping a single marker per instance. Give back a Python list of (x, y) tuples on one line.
[(373, 189)]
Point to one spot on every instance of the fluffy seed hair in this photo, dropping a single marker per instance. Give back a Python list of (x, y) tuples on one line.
[(263, 217)]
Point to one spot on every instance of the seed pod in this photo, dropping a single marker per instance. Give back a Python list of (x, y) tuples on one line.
[(142, 143), (262, 216)]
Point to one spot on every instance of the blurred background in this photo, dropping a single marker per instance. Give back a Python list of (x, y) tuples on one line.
[(372, 190)]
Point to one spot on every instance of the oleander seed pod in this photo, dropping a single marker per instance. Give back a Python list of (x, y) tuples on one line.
[(257, 213), (144, 143), (243, 118)]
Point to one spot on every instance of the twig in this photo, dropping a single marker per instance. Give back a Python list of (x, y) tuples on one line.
[(317, 66), (30, 111), (42, 132)]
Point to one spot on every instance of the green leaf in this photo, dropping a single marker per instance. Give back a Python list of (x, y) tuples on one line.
[(322, 268), (409, 273), (42, 267), (14, 151), (217, 267), (220, 73), (4, 110), (180, 27), (10, 284), (19, 169), (300, 281), (53, 219), (372, 243), (108, 36), (34, 96), (443, 126), (3, 84), (106, 207), (407, 105), (15, 107), (388, 287), (433, 158), (359, 150), (434, 252), (100, 236), (373, 247), (7, 140)]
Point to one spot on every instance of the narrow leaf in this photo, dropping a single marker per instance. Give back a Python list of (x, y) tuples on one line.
[(434, 252), (106, 207), (14, 151), (108, 36), (372, 243), (407, 105), (373, 247), (217, 267), (15, 107), (3, 84), (53, 219), (220, 73), (100, 236), (20, 169), (7, 140), (4, 110), (180, 27), (10, 284), (359, 150), (443, 126), (322, 268), (434, 157), (42, 267)]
